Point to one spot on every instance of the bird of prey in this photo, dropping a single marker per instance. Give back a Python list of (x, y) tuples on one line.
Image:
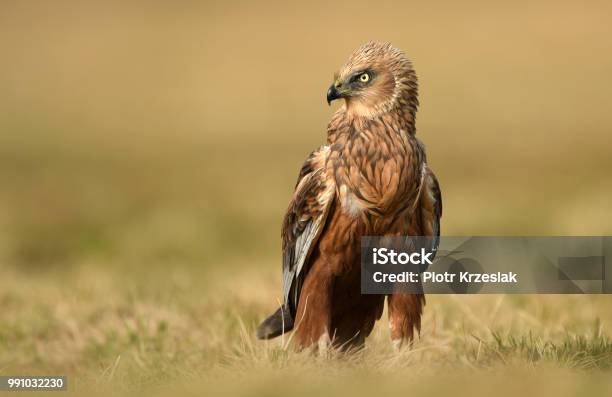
[(370, 179)]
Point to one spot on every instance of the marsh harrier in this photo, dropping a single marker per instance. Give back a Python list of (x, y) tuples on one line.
[(371, 178)]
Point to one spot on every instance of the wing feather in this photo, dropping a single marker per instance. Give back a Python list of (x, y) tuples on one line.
[(430, 207), (304, 222)]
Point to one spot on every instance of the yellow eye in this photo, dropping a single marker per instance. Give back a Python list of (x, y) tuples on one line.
[(364, 77)]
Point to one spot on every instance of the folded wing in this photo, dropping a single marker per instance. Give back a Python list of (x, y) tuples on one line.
[(303, 223), (429, 207)]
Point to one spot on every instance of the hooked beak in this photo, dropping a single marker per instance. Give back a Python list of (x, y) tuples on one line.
[(332, 93)]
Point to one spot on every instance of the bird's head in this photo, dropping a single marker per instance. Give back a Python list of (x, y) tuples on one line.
[(376, 79)]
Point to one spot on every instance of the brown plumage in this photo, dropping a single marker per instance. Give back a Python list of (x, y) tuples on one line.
[(370, 179)]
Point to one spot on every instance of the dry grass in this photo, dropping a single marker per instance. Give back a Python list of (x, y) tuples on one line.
[(147, 156), (119, 334)]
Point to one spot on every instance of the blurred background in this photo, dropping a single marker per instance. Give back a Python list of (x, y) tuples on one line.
[(150, 149)]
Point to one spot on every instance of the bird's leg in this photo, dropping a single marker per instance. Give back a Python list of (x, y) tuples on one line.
[(404, 317), (324, 344), (313, 316)]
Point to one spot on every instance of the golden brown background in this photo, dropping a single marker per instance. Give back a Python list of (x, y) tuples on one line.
[(148, 151)]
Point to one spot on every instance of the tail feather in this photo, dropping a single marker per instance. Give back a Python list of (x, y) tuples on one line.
[(277, 324)]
